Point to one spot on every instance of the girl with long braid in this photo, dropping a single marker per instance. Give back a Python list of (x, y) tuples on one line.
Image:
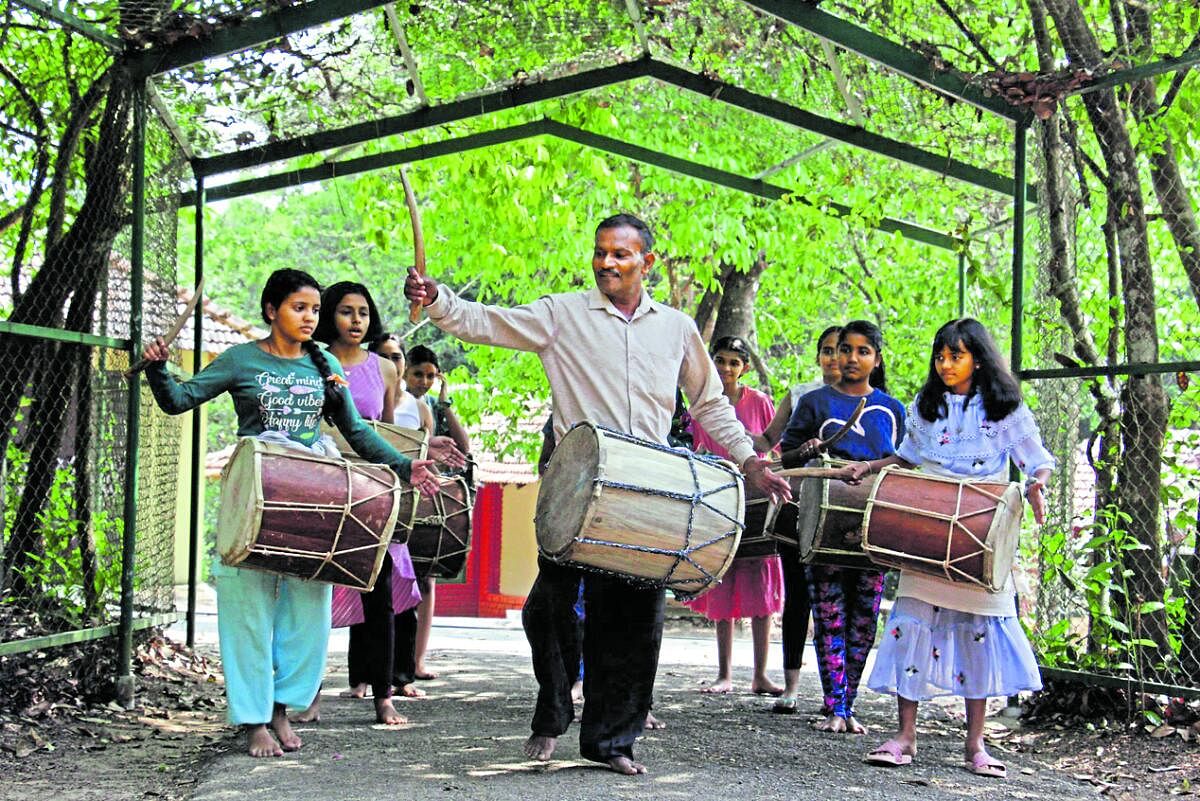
[(272, 642)]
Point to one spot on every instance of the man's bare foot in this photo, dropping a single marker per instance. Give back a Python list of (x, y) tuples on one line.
[(387, 714), (577, 692), (626, 766), (424, 674), (411, 691), (261, 743), (540, 747), (718, 687), (288, 739), (357, 691), (312, 714), (835, 724), (765, 686), (854, 727), (653, 722)]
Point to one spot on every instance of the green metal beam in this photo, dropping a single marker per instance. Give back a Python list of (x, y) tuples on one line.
[(1184, 61), (378, 161), (74, 23), (850, 134), (82, 635), (1113, 370), (730, 180), (881, 50), (579, 136), (255, 31), (483, 105), (60, 335), (1127, 683)]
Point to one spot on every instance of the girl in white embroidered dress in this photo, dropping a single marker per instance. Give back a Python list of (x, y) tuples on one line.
[(955, 639)]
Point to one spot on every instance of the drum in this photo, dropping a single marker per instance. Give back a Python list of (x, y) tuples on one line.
[(756, 541), (441, 531), (289, 511), (824, 520), (951, 528), (411, 442), (650, 514)]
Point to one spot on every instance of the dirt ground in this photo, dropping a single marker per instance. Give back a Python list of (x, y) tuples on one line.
[(464, 738)]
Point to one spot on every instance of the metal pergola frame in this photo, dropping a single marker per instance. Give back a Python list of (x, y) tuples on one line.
[(283, 21)]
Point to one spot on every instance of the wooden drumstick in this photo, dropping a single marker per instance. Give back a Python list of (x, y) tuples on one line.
[(174, 330), (810, 472), (414, 313)]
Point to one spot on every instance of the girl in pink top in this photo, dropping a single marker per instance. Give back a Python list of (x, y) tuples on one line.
[(753, 586)]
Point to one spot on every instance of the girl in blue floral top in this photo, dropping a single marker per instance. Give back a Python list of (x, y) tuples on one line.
[(957, 639)]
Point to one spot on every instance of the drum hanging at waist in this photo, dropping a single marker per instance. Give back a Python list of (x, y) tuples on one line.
[(653, 515), (292, 512), (951, 528), (440, 537), (823, 521)]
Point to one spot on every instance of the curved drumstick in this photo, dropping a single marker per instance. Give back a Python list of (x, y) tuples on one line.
[(800, 454), (175, 328), (414, 313)]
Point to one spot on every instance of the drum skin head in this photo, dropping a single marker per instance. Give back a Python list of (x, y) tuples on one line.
[(241, 508), (1005, 534), (810, 512), (567, 489)]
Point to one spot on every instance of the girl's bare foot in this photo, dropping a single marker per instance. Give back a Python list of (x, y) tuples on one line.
[(411, 691), (357, 691), (854, 727), (653, 722), (424, 674), (288, 739), (764, 686), (312, 714), (718, 687), (261, 743), (626, 766), (540, 747), (835, 724), (386, 713)]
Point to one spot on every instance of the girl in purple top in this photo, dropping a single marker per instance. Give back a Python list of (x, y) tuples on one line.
[(348, 318)]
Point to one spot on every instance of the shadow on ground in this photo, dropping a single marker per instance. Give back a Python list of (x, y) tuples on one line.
[(464, 742)]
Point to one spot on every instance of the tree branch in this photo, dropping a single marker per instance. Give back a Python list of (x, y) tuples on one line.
[(1180, 77), (36, 181), (67, 146), (969, 34)]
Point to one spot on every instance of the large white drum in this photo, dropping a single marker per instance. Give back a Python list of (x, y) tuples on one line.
[(651, 514)]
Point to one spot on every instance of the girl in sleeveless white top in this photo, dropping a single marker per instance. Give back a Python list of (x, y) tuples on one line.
[(408, 410)]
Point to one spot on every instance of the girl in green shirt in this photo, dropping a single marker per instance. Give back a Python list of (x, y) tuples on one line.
[(272, 654)]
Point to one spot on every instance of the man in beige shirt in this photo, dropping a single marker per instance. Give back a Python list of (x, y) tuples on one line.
[(614, 356)]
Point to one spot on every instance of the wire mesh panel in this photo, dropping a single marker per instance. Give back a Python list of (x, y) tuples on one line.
[(1118, 587), (65, 299)]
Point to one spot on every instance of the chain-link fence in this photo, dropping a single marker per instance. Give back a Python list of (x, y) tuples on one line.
[(66, 243), (1116, 589)]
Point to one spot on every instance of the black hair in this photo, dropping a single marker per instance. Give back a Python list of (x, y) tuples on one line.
[(629, 221), (868, 329), (833, 329), (386, 336), (280, 284), (422, 355), (994, 383), (330, 299), (732, 344)]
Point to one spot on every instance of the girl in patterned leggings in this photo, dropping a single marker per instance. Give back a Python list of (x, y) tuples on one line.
[(845, 602)]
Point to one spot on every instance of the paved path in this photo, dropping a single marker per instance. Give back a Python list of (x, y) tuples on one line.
[(464, 741)]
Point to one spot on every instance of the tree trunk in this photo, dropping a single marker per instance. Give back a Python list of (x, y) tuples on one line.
[(72, 269), (1144, 407), (735, 317)]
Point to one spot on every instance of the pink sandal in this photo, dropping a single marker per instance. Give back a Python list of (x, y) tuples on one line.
[(984, 764), (890, 754)]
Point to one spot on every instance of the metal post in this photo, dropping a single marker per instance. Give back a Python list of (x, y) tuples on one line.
[(962, 284), (197, 468), (1018, 256), (125, 687)]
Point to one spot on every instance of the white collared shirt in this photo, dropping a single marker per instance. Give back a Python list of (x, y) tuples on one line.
[(619, 373)]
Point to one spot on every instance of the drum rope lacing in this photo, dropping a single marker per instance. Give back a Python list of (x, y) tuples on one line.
[(948, 565), (695, 498), (439, 519)]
